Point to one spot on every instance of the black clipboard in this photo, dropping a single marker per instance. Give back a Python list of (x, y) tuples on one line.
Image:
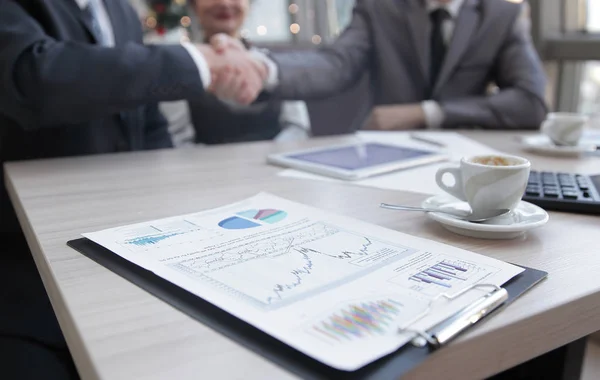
[(392, 366)]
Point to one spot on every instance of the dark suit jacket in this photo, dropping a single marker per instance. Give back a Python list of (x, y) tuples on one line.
[(389, 39), (62, 95), (216, 123)]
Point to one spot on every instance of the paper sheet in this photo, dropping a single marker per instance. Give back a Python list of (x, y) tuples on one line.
[(334, 288), (419, 179)]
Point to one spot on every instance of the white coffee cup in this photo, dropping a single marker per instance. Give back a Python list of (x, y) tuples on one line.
[(492, 182), (564, 128)]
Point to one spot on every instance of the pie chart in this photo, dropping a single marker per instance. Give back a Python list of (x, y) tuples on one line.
[(252, 219)]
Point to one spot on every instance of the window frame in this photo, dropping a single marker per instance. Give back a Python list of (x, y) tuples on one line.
[(560, 36)]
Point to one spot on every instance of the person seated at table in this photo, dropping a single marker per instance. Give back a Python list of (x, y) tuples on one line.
[(431, 63), (216, 121), (77, 80)]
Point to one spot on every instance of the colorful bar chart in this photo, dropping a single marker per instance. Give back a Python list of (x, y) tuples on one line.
[(361, 320)]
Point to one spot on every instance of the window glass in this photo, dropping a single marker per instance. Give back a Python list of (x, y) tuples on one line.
[(593, 16)]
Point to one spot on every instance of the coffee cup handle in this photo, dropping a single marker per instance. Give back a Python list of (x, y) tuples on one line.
[(457, 189), (545, 126)]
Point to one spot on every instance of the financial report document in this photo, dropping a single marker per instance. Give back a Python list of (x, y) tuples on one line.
[(335, 288)]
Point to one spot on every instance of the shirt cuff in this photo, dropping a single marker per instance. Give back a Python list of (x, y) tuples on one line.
[(272, 80), (200, 62), (292, 133), (434, 114)]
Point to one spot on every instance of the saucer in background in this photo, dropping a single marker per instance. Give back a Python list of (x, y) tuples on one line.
[(543, 145), (511, 226)]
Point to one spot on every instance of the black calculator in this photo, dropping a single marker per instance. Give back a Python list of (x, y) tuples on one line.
[(564, 192)]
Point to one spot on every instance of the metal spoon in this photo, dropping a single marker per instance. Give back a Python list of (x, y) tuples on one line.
[(478, 217)]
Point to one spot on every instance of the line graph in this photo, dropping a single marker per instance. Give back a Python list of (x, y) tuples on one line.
[(278, 270), (299, 273)]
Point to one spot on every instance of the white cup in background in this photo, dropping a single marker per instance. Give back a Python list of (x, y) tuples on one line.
[(492, 182), (564, 128)]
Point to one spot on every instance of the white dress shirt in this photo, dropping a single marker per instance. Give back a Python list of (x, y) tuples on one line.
[(99, 11)]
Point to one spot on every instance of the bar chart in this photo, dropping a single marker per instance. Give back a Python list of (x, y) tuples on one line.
[(361, 320), (442, 276)]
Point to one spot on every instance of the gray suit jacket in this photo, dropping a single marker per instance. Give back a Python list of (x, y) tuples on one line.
[(389, 39)]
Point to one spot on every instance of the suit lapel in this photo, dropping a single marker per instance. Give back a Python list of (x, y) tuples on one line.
[(128, 125), (413, 14), (117, 20), (83, 19), (418, 20), (465, 26)]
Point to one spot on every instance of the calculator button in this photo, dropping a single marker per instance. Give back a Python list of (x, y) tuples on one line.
[(551, 194), (586, 195), (569, 195), (584, 187), (533, 193)]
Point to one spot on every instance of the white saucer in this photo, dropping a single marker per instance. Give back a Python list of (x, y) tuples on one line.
[(543, 145), (525, 217)]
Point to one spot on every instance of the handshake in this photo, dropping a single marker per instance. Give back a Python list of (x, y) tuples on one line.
[(237, 74)]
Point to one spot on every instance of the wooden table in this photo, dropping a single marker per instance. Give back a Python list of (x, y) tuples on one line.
[(117, 331)]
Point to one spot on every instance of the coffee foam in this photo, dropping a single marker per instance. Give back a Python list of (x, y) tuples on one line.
[(495, 161)]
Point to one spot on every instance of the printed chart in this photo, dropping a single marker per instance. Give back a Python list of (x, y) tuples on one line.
[(278, 270), (442, 276), (331, 287), (253, 218), (159, 235), (360, 320)]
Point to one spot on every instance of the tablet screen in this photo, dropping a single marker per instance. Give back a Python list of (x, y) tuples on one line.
[(360, 156)]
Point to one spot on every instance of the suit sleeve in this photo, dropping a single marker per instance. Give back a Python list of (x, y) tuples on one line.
[(520, 102), (47, 82), (157, 134), (321, 73)]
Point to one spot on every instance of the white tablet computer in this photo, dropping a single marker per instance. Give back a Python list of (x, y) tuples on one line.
[(356, 161)]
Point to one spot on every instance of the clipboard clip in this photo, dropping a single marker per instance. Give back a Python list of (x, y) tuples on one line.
[(443, 332)]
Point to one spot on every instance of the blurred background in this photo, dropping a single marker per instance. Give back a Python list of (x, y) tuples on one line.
[(566, 34)]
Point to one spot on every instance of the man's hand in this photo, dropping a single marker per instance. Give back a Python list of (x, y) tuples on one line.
[(397, 117), (236, 75)]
